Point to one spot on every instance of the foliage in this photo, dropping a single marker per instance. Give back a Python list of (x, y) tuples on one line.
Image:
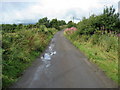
[(108, 22), (21, 44), (44, 21), (71, 24), (97, 37), (54, 23), (20, 48), (61, 22), (63, 27), (101, 50)]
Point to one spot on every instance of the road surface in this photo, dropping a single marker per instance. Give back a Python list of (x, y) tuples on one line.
[(67, 67)]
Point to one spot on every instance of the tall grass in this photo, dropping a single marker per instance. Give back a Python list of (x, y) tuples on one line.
[(20, 48), (101, 49), (96, 37)]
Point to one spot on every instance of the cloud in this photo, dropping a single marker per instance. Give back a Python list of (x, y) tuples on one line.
[(14, 12)]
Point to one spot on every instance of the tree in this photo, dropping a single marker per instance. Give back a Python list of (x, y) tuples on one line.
[(107, 21), (71, 24), (110, 19), (44, 21), (20, 26), (61, 22), (54, 24)]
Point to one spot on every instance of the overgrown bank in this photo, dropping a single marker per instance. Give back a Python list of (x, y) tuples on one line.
[(99, 54), (22, 43), (97, 37), (20, 48)]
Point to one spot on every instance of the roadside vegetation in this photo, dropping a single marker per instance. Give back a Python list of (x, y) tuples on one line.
[(22, 44), (97, 37)]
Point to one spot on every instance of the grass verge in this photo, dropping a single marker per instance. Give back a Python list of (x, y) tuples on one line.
[(106, 60), (20, 49)]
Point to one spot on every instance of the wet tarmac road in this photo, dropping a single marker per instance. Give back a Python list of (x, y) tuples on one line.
[(63, 66)]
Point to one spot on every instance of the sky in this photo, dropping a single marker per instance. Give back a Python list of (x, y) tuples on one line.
[(30, 11)]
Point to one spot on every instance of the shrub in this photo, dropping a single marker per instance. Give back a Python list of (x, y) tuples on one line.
[(20, 48)]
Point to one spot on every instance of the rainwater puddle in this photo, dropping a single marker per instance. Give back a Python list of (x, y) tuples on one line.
[(46, 58)]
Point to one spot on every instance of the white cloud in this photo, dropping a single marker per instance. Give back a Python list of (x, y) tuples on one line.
[(61, 9)]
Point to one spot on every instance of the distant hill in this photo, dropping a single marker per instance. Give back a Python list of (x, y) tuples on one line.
[(26, 23)]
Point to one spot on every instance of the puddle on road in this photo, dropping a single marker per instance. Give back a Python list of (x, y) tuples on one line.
[(46, 58)]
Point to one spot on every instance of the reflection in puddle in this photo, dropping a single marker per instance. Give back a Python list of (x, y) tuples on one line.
[(47, 56), (49, 53)]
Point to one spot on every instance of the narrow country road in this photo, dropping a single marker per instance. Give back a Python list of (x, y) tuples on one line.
[(66, 68)]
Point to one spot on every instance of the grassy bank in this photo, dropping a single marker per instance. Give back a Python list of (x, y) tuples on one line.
[(20, 48), (97, 36), (101, 50)]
